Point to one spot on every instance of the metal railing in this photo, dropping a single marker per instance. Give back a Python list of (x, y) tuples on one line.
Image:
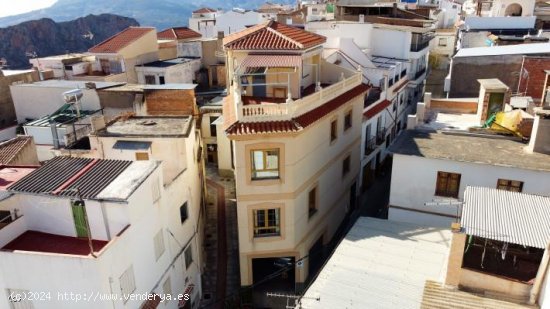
[(370, 145), (381, 137)]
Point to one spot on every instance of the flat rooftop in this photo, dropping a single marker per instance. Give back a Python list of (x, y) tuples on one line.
[(471, 148), (11, 174), (69, 84), (34, 241), (381, 264), (169, 62), (450, 121), (148, 126)]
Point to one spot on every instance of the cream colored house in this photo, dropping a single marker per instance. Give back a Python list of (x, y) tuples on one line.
[(116, 57), (294, 122)]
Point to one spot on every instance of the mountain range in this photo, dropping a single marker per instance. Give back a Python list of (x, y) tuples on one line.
[(44, 37), (159, 13)]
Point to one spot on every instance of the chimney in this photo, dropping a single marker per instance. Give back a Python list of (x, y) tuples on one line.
[(540, 136)]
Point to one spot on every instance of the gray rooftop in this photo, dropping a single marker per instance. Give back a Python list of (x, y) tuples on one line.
[(69, 84), (492, 84), (469, 148), (170, 87), (512, 217), (149, 126)]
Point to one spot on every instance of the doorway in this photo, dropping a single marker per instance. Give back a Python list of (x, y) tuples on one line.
[(258, 85)]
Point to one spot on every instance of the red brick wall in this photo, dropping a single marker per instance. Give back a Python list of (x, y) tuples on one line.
[(454, 106), (533, 82), (170, 102)]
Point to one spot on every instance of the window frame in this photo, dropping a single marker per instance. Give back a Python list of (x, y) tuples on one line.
[(256, 228), (509, 185), (346, 166), (127, 275), (333, 130), (160, 246), (254, 171), (188, 256), (312, 210), (348, 120), (447, 176), (184, 206)]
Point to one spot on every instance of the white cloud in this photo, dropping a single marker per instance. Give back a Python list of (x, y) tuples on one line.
[(11, 7)]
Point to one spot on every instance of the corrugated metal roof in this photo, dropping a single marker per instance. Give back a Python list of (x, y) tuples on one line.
[(381, 264), (62, 175), (11, 148), (519, 49), (512, 217)]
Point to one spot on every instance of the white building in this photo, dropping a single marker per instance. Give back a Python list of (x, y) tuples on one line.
[(203, 21), (35, 100), (106, 227), (239, 19), (169, 71), (435, 166)]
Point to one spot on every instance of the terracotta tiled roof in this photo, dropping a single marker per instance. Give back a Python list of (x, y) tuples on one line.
[(9, 149), (204, 10), (296, 124), (120, 40), (240, 128), (272, 35), (373, 111), (178, 33)]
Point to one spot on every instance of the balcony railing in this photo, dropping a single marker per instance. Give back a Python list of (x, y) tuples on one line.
[(370, 145), (291, 109), (381, 137)]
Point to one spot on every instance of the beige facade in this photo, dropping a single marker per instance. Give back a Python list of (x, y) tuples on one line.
[(295, 172)]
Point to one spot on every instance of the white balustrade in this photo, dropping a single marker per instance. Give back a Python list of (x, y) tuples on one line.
[(291, 109)]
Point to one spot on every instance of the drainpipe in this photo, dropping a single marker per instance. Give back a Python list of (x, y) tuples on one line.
[(541, 273)]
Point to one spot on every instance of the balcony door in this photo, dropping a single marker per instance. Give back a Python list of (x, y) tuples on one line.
[(258, 84)]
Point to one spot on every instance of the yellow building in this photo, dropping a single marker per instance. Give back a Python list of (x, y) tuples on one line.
[(294, 122)]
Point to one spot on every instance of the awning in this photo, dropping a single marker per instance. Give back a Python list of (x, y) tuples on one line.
[(512, 217), (257, 61)]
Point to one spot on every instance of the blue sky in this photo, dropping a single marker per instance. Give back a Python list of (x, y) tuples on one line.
[(13, 7)]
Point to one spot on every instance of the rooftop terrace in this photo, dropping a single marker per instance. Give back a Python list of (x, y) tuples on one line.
[(148, 126), (35, 241)]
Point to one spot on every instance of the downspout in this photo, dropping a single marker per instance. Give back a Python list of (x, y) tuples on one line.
[(541, 273)]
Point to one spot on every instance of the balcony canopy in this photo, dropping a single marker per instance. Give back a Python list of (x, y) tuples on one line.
[(257, 61)]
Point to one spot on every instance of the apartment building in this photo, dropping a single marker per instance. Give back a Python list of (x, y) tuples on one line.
[(294, 121), (97, 225)]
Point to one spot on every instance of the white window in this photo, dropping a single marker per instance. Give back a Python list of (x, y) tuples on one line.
[(265, 164), (156, 190), (127, 283), (159, 244), (167, 287), (18, 299)]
